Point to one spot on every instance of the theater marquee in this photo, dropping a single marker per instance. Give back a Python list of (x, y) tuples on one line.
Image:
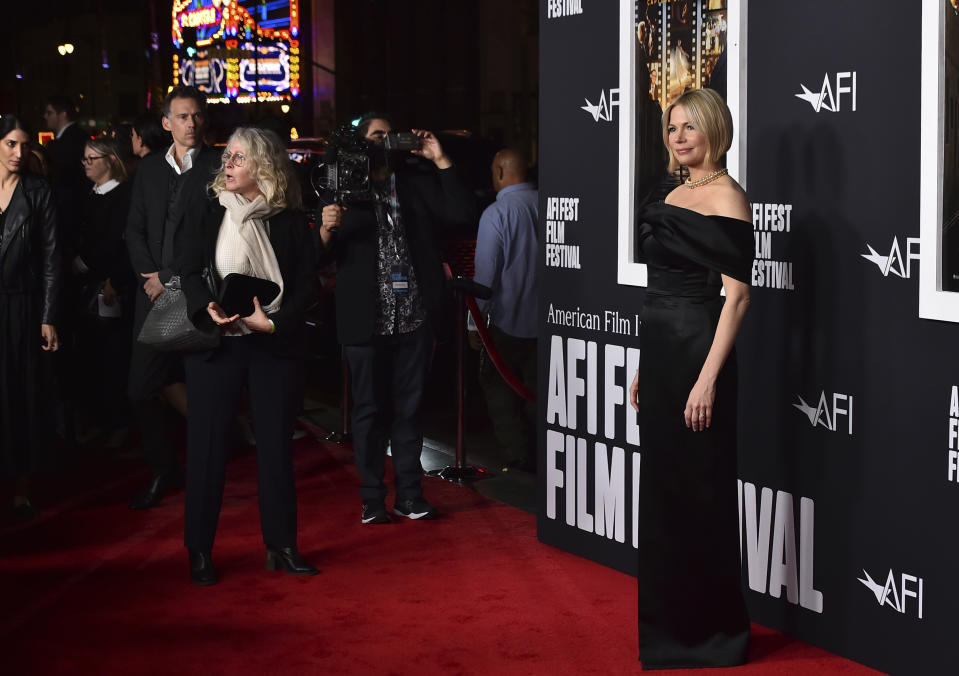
[(237, 50)]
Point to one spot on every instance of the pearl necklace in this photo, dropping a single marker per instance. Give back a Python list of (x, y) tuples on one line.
[(707, 179)]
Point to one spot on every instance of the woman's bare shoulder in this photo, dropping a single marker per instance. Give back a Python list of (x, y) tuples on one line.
[(671, 197), (730, 200)]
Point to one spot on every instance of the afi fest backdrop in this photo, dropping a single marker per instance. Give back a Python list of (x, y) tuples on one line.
[(845, 119)]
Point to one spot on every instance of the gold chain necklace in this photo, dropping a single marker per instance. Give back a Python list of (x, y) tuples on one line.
[(707, 179)]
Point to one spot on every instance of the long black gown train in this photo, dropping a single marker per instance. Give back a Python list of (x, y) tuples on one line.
[(691, 607)]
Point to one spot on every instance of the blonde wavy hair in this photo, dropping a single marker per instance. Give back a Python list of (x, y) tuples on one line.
[(268, 164), (709, 114), (110, 151)]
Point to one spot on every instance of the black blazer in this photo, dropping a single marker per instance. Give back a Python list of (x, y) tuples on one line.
[(292, 244), (30, 255), (148, 208), (100, 245), (428, 201), (65, 155), (70, 184)]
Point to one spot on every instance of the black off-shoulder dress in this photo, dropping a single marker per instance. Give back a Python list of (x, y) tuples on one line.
[(691, 607)]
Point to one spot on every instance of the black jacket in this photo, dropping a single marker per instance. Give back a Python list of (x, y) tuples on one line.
[(65, 156), (30, 256), (291, 242), (428, 201), (70, 183), (148, 208), (100, 246)]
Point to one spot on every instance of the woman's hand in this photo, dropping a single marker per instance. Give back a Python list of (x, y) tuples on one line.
[(258, 321), (699, 406), (219, 316), (49, 334), (634, 392)]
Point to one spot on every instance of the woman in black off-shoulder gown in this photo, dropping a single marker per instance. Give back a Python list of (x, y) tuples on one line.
[(691, 607)]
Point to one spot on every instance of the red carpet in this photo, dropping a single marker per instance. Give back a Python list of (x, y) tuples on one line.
[(93, 588)]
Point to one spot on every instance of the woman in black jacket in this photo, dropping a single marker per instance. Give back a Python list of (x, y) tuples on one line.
[(104, 279), (29, 278), (254, 227)]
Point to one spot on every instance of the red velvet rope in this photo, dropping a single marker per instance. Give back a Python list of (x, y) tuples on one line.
[(511, 379)]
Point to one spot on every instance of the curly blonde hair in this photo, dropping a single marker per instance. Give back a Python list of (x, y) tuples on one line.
[(268, 164)]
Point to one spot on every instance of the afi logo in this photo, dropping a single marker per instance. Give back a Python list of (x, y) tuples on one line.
[(826, 413), (896, 597), (895, 262), (603, 109), (830, 97)]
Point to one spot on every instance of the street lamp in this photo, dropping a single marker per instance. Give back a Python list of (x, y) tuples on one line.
[(65, 48)]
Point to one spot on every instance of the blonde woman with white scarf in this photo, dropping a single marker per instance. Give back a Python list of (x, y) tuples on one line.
[(254, 226)]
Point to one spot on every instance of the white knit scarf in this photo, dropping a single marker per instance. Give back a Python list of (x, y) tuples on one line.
[(245, 236)]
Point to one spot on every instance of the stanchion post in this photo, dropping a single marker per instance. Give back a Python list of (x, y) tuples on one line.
[(460, 379), (345, 405), (344, 436), (459, 471)]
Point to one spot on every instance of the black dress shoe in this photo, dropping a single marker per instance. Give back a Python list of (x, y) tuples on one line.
[(24, 512), (202, 572), (289, 559), (155, 490)]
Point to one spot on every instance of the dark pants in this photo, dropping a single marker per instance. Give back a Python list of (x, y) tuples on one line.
[(513, 417), (151, 371), (214, 387), (103, 347), (388, 376)]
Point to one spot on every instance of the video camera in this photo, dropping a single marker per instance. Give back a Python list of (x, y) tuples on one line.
[(349, 161)]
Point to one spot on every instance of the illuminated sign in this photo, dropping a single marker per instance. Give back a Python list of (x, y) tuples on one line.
[(242, 50)]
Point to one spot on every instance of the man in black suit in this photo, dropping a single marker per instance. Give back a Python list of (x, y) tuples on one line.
[(390, 293), (65, 153), (70, 187), (166, 188)]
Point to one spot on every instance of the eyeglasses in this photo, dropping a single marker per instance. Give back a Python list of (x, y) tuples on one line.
[(236, 159), (89, 159)]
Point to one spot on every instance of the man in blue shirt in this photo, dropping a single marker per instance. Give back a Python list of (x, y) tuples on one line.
[(507, 247)]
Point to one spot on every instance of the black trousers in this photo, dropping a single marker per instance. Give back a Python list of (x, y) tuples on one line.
[(388, 375), (214, 387), (150, 371), (513, 417)]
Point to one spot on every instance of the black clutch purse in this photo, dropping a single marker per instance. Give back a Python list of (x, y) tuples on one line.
[(237, 292)]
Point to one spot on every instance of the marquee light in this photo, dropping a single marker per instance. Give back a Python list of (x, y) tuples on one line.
[(205, 16), (219, 61)]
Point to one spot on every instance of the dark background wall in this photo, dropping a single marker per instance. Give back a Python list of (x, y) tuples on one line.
[(845, 494), (439, 64), (453, 64)]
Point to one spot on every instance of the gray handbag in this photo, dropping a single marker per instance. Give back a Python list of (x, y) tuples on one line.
[(168, 327)]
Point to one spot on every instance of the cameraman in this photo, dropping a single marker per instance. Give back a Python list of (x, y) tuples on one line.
[(390, 293)]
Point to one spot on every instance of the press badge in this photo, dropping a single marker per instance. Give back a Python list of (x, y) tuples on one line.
[(400, 274)]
